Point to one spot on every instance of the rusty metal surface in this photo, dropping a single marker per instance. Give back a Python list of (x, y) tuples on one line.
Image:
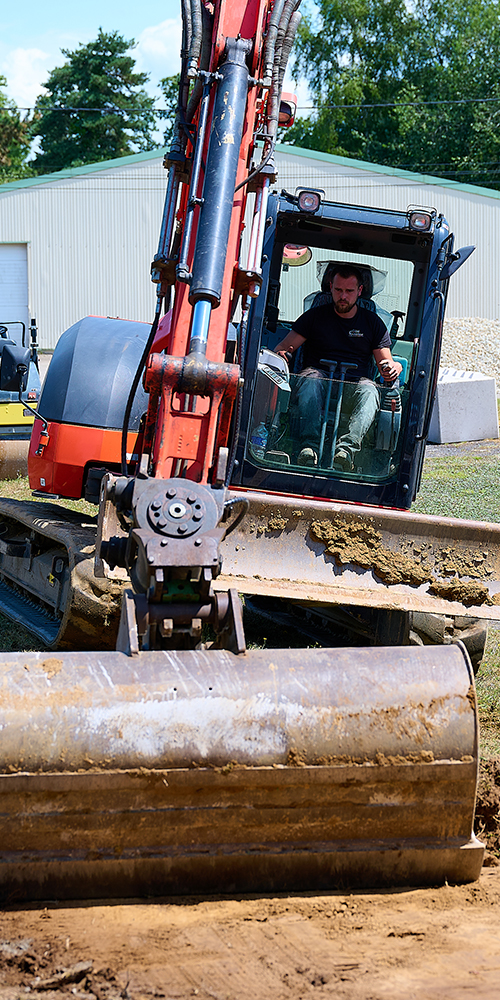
[(274, 551), (189, 772), (171, 709)]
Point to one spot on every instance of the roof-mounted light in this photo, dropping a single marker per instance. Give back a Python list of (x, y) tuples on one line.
[(309, 200), (421, 219), (288, 109)]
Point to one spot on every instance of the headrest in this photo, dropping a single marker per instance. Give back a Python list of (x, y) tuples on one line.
[(372, 278)]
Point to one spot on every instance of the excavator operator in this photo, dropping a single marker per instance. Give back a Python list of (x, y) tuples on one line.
[(339, 332)]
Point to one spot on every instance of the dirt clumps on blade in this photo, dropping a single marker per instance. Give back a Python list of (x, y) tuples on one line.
[(356, 541), (467, 593), (350, 540)]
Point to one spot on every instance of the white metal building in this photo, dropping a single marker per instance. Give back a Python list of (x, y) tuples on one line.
[(81, 241)]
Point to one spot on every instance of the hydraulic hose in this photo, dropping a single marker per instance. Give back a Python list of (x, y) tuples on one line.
[(133, 389), (270, 43), (195, 46)]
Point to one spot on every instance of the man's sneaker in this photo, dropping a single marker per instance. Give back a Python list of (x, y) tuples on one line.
[(342, 460), (307, 457)]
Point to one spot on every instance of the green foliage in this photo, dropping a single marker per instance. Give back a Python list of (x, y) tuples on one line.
[(15, 136), (170, 90), (391, 52), (100, 76)]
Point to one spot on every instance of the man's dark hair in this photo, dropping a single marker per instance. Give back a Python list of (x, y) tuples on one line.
[(346, 271)]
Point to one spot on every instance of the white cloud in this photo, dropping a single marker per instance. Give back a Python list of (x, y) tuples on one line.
[(24, 69), (158, 50)]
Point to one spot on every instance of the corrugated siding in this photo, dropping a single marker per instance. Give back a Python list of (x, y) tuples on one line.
[(92, 236), (92, 240)]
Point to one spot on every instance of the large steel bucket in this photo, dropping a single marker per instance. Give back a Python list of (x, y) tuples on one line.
[(180, 772)]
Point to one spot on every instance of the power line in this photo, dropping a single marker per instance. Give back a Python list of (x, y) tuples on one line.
[(300, 107), (106, 111), (398, 104)]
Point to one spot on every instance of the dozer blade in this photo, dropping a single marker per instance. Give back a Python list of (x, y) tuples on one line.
[(329, 553), (206, 772)]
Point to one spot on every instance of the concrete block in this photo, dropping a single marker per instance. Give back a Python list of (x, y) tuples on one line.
[(465, 407)]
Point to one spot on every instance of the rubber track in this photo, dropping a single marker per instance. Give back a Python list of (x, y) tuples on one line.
[(91, 615)]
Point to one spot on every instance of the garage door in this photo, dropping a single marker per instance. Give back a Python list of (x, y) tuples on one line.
[(14, 286)]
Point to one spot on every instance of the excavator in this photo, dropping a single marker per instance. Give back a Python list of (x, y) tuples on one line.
[(146, 750)]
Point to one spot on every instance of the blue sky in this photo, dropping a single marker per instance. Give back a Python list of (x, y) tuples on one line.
[(33, 32)]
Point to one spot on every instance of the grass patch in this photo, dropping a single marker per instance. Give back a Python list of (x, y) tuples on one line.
[(19, 489), (460, 485), (14, 638), (488, 697)]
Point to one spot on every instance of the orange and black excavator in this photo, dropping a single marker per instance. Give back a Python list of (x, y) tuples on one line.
[(147, 750)]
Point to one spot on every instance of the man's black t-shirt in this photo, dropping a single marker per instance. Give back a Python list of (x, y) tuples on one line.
[(330, 336)]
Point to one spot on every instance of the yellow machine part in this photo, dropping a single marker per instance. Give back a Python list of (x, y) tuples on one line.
[(13, 415)]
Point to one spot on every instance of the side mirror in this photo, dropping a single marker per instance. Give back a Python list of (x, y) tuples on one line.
[(454, 262), (14, 368)]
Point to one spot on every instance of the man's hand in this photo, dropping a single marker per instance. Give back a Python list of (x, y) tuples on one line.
[(390, 370), (288, 345)]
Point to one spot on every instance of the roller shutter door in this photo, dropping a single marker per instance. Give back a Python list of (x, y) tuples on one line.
[(14, 285)]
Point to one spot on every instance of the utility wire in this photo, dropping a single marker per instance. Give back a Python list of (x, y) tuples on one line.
[(300, 107)]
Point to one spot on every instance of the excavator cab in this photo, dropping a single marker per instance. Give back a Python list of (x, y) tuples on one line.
[(399, 265)]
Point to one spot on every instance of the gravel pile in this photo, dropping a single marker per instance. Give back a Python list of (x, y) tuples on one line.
[(472, 345)]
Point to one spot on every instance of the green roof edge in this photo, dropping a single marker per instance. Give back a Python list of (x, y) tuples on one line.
[(312, 154), (377, 168), (88, 168)]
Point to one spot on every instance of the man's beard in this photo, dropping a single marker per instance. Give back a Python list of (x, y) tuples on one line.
[(343, 307)]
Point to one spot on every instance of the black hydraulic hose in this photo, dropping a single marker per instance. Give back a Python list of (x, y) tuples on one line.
[(195, 46), (182, 268), (270, 43), (289, 39), (258, 169), (187, 28), (133, 389), (286, 35), (167, 222), (206, 51), (228, 506), (179, 139)]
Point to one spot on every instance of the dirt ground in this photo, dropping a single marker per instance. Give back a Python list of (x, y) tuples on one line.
[(437, 944)]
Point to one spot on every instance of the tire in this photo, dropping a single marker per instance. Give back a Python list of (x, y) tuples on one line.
[(436, 630)]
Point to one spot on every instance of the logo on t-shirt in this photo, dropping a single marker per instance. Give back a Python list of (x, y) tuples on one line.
[(355, 333)]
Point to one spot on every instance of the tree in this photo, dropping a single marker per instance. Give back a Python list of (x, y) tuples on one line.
[(96, 108), (15, 138), (404, 83), (170, 90)]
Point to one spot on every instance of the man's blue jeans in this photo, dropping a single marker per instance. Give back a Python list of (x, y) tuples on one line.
[(360, 404)]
